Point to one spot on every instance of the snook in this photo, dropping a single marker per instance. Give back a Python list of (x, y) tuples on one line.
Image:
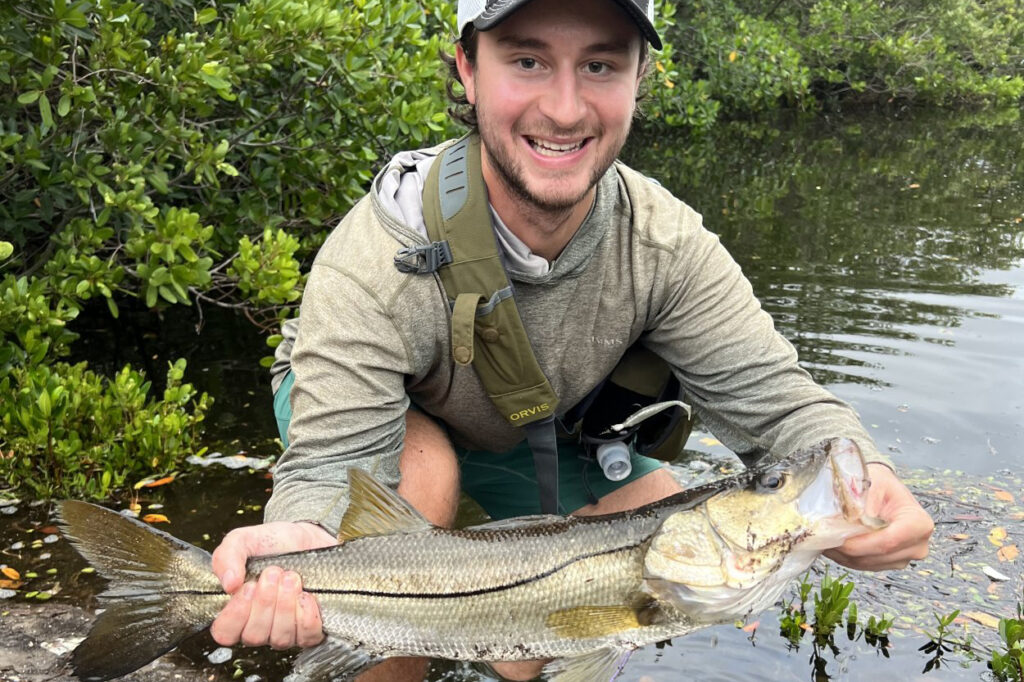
[(582, 590)]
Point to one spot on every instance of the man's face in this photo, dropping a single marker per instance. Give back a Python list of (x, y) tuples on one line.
[(554, 87)]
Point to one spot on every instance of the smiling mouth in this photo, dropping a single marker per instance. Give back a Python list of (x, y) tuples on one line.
[(553, 149)]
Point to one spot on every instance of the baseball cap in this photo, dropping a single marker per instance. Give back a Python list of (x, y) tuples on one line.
[(485, 14)]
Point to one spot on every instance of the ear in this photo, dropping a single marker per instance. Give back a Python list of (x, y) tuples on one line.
[(465, 68)]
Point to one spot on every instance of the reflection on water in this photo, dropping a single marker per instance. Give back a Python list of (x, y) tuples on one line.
[(889, 252)]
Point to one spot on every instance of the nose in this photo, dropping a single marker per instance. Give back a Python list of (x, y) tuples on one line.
[(563, 101)]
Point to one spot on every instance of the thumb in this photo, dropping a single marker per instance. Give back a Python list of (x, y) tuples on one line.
[(229, 559)]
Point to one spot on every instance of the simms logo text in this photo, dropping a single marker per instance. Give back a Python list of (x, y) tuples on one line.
[(529, 412)]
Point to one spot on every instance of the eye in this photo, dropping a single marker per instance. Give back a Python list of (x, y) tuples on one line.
[(528, 63), (597, 68), (772, 481)]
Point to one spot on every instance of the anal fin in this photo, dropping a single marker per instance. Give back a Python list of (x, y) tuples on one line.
[(335, 660), (602, 665)]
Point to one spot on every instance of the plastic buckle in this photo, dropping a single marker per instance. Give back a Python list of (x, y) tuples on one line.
[(424, 258)]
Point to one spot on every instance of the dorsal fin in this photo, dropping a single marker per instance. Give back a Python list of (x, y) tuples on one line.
[(375, 509)]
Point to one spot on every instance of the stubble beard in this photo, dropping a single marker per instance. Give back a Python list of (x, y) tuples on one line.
[(511, 174)]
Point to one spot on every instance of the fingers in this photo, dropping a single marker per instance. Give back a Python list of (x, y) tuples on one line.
[(226, 628), (273, 609), (904, 540), (270, 611)]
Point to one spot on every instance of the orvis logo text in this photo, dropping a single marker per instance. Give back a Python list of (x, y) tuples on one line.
[(529, 412)]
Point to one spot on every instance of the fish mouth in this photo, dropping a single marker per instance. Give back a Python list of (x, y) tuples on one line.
[(839, 490)]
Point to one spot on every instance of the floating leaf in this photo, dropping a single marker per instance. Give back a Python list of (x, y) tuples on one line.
[(153, 481), (994, 574), (997, 535), (10, 584), (750, 627), (1008, 553), (155, 518), (10, 573), (1003, 496), (960, 536), (985, 619), (710, 441)]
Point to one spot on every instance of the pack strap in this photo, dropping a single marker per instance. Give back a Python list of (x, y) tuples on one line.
[(423, 259), (487, 330), (543, 440)]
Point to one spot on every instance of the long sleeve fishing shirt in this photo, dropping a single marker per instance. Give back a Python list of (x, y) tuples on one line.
[(641, 267)]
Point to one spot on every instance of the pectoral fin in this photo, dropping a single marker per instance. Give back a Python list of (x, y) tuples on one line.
[(334, 660), (584, 622), (602, 665)]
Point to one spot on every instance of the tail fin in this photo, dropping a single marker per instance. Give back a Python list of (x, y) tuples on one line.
[(161, 590)]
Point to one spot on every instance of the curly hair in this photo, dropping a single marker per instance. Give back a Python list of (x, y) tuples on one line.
[(460, 108)]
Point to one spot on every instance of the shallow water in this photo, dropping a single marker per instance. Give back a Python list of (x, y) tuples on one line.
[(889, 251)]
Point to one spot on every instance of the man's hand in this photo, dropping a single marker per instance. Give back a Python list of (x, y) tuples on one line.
[(903, 540), (272, 610)]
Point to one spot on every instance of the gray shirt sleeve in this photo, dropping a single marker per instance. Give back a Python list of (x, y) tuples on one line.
[(348, 401), (740, 374)]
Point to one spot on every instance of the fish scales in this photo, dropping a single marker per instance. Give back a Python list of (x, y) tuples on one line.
[(583, 591), (410, 595)]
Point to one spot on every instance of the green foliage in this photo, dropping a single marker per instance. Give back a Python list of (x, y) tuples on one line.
[(166, 255), (1007, 665), (939, 643), (153, 140), (676, 96), (937, 51), (33, 326), (830, 603), (793, 622), (178, 152), (266, 269), (877, 629), (744, 57), (64, 431), (751, 64)]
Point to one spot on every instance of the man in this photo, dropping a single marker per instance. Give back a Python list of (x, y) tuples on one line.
[(600, 258)]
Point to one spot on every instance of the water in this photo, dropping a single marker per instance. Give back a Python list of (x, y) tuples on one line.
[(888, 249)]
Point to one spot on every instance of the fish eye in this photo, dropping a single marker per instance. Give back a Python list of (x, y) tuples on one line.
[(772, 481)]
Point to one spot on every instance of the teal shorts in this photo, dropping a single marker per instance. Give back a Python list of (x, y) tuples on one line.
[(505, 483), (283, 406)]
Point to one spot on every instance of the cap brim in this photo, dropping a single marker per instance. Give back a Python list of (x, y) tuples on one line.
[(499, 11)]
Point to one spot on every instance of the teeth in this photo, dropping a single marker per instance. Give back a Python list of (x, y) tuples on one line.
[(553, 149)]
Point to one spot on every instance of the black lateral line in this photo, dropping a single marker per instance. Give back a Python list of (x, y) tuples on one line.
[(471, 593)]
